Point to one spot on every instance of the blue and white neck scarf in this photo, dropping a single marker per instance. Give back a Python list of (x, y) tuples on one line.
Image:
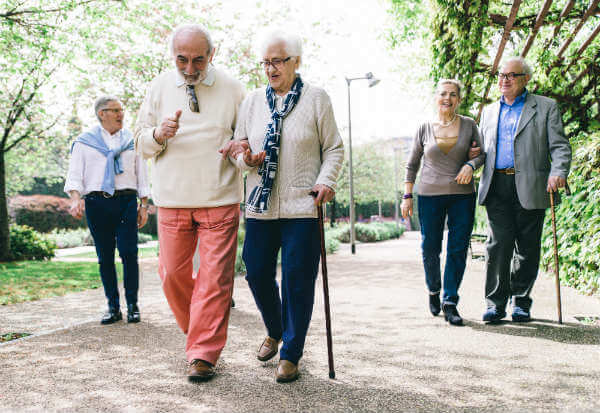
[(259, 199), (93, 138)]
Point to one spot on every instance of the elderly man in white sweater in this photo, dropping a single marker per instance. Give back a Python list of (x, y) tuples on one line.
[(188, 114), (294, 148)]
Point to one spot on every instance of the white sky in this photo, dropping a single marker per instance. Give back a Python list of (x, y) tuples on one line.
[(349, 34)]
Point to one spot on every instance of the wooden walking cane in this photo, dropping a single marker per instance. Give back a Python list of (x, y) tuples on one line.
[(556, 276), (325, 290)]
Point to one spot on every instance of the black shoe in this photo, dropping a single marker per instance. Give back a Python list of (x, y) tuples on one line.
[(111, 316), (451, 315), (133, 313), (232, 303), (493, 315), (434, 304), (521, 315)]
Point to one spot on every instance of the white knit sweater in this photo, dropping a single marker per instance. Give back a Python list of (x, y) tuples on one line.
[(311, 151)]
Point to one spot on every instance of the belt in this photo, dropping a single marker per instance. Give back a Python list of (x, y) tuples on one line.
[(506, 171), (118, 192)]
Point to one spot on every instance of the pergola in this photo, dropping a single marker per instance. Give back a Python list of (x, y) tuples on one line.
[(564, 61), (559, 38)]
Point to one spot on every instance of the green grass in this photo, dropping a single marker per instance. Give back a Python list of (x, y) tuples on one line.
[(33, 280), (146, 252)]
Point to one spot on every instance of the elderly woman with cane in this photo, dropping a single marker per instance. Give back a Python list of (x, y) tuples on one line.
[(446, 190), (293, 148)]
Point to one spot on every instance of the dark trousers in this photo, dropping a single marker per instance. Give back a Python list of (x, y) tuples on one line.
[(287, 317), (114, 221), (433, 210), (513, 245)]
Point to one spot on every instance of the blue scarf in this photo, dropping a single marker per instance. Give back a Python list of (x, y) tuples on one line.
[(259, 199), (93, 138)]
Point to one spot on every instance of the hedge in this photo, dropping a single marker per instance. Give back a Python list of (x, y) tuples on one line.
[(578, 220)]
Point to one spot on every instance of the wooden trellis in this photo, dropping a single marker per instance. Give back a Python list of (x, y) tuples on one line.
[(565, 61)]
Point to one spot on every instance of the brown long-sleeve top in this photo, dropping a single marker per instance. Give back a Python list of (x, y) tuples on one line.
[(440, 169)]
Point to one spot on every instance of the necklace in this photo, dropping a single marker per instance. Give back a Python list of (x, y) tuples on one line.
[(450, 122)]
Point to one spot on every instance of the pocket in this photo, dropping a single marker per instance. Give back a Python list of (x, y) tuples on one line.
[(168, 217)]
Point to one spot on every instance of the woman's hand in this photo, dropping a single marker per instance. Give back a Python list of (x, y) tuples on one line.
[(254, 159), (323, 193), (465, 175), (406, 207)]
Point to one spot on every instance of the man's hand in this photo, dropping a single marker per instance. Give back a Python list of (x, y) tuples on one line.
[(464, 175), (142, 216), (233, 148), (324, 194), (474, 150), (555, 182), (76, 209), (254, 159), (168, 128), (406, 207)]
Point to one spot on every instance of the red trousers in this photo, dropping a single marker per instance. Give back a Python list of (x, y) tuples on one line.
[(200, 302)]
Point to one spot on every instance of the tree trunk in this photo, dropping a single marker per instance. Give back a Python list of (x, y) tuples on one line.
[(5, 253)]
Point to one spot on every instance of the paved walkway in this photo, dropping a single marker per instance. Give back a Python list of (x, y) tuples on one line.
[(390, 353)]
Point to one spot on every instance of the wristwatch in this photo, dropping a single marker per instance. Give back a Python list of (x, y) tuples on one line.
[(407, 196)]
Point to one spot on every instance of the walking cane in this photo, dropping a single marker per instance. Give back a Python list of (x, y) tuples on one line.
[(325, 290), (556, 276)]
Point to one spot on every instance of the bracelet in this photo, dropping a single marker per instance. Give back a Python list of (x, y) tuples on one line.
[(472, 167), (407, 196)]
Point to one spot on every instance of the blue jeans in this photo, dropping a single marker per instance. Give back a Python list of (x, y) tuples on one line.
[(287, 317), (460, 210), (114, 221)]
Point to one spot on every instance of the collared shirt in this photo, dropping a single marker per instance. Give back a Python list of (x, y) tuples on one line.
[(507, 127), (87, 166)]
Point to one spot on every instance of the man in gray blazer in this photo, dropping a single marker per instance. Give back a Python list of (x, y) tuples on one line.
[(528, 156)]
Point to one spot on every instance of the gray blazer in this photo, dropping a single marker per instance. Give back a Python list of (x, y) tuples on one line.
[(540, 147)]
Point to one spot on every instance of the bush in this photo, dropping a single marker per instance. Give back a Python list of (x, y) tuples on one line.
[(69, 238), (143, 238), (578, 220), (43, 212), (373, 232), (28, 244)]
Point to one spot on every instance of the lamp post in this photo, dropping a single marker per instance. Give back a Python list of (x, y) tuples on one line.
[(396, 150), (372, 82)]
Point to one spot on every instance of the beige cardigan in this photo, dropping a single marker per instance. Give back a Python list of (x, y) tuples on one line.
[(311, 151), (190, 172)]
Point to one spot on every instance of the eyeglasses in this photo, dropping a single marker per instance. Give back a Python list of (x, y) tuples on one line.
[(115, 111), (193, 99), (276, 62), (509, 76)]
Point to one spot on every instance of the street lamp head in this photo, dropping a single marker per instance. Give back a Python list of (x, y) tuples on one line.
[(373, 81)]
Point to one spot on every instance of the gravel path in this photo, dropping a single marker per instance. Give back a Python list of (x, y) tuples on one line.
[(390, 353)]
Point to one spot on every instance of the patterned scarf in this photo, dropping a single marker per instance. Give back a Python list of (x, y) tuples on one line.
[(259, 199)]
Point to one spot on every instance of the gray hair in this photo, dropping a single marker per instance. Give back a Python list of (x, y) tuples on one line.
[(192, 28), (292, 42), (523, 62), (102, 103), (454, 82)]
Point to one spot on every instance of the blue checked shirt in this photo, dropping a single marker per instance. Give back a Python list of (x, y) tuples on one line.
[(507, 127)]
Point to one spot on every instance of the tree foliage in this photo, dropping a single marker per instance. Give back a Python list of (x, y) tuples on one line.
[(373, 176)]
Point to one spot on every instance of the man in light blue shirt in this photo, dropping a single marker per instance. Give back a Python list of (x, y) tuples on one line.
[(527, 157), (507, 126)]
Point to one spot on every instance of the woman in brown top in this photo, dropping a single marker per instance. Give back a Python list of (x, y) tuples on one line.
[(446, 190)]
